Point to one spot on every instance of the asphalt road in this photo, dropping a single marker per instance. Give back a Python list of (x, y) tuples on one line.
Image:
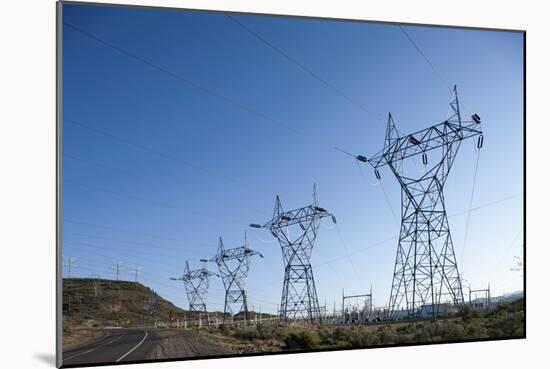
[(117, 345)]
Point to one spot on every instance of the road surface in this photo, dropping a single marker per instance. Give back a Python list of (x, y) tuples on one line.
[(126, 345), (115, 346)]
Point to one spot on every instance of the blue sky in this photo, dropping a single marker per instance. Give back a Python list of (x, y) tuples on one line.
[(167, 168)]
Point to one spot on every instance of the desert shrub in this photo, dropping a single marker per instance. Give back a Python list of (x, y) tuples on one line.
[(370, 339), (67, 329), (266, 332), (355, 337), (225, 329), (506, 324), (386, 335), (341, 334), (359, 337), (326, 336), (407, 329), (475, 330), (246, 333), (468, 314), (305, 340), (213, 329), (421, 333), (452, 330)]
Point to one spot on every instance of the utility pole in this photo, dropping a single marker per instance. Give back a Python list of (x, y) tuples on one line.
[(70, 266), (488, 295), (118, 269), (425, 272), (343, 311), (137, 270), (234, 265), (296, 231), (95, 277)]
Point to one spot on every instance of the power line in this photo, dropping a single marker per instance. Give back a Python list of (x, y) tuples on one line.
[(153, 151), (298, 64), (205, 89), (498, 201), (115, 170), (182, 79), (506, 198), (156, 246), (119, 230), (215, 293), (470, 207), (165, 267), (379, 243), (155, 252), (130, 174), (344, 152), (447, 85), (156, 281), (121, 194), (388, 203), (127, 231), (358, 251), (346, 250), (171, 297)]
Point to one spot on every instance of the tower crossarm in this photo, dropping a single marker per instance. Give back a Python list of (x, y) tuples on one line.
[(297, 216), (235, 253), (423, 141), (197, 274)]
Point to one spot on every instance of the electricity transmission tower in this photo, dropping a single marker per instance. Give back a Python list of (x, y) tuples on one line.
[(426, 273), (234, 265), (296, 231), (196, 285)]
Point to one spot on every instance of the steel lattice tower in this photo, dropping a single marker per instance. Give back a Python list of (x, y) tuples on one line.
[(196, 285), (426, 278), (296, 231), (234, 265)]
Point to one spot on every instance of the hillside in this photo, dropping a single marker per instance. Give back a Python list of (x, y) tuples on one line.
[(100, 303)]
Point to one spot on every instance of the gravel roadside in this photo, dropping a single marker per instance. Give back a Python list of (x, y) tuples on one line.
[(186, 343)]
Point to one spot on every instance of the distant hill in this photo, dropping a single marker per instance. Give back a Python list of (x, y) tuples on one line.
[(507, 297), (512, 296), (89, 303), (101, 303)]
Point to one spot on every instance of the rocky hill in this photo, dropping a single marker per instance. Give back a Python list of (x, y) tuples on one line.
[(102, 303)]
